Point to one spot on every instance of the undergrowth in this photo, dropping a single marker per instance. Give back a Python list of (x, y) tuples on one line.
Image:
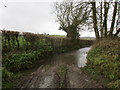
[(104, 62)]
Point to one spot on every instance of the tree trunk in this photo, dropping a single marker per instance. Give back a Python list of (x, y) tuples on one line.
[(101, 20), (68, 35), (95, 20), (113, 19), (106, 8), (118, 31), (72, 33)]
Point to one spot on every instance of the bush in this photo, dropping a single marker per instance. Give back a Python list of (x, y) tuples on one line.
[(104, 60), (18, 62), (7, 78), (6, 75)]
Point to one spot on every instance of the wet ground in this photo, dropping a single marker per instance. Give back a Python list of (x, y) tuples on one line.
[(61, 71)]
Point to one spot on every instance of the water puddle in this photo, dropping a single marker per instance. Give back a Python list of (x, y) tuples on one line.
[(77, 57), (81, 56)]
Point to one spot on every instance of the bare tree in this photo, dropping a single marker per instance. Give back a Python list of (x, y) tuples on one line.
[(104, 30), (94, 12), (118, 21), (71, 15), (113, 19)]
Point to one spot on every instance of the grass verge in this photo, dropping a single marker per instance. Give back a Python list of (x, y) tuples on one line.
[(104, 62)]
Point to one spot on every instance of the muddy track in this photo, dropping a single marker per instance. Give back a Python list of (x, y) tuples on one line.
[(77, 79), (61, 71), (54, 77)]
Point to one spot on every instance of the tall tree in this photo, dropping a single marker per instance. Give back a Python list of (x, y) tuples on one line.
[(101, 19), (98, 16), (95, 19), (71, 15), (106, 8), (118, 21), (113, 19)]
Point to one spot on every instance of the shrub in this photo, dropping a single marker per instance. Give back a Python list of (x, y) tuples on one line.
[(18, 62), (7, 78), (10, 40), (6, 75)]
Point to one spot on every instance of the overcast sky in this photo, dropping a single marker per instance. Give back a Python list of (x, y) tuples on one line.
[(37, 17)]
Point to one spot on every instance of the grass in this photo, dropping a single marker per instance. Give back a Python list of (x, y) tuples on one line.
[(62, 76), (87, 38), (55, 36), (104, 62)]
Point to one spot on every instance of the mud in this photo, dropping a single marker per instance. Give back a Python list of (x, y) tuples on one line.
[(61, 71)]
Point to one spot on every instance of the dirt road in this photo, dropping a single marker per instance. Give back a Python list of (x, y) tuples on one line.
[(61, 71)]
